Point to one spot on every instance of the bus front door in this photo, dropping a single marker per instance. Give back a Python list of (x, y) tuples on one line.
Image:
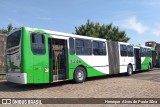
[(40, 59), (58, 59)]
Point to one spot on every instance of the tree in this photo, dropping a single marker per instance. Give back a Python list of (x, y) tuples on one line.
[(3, 30), (108, 32), (8, 29)]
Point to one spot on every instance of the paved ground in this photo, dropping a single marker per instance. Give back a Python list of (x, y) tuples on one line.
[(153, 75), (140, 85)]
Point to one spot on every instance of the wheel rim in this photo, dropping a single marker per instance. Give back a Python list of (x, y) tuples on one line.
[(130, 70), (80, 75)]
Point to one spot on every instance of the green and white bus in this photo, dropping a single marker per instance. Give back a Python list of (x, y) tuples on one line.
[(41, 56)]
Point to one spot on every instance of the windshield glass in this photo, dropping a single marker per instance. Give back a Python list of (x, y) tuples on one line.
[(13, 39)]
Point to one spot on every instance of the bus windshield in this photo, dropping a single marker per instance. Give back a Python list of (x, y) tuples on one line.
[(13, 39)]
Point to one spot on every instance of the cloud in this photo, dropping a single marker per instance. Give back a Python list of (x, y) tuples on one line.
[(133, 24)]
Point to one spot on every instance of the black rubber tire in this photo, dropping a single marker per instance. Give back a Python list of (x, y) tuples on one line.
[(129, 70), (149, 67), (77, 77)]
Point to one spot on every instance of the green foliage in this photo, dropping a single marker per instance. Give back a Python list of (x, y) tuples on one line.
[(108, 32), (8, 29), (3, 30)]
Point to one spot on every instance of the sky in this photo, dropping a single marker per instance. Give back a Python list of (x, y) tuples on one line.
[(140, 19)]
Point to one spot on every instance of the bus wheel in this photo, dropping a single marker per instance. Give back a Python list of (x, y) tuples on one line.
[(79, 75), (129, 70), (149, 67)]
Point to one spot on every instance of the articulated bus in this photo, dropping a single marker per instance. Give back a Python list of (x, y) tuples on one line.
[(36, 56)]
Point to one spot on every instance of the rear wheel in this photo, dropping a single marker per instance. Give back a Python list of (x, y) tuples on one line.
[(129, 70), (79, 75), (149, 67)]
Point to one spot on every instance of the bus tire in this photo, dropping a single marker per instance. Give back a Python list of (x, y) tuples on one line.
[(79, 75), (149, 67), (129, 70)]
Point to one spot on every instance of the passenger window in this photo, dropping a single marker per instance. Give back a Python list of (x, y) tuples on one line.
[(149, 54), (99, 48), (102, 47), (71, 46), (38, 45), (83, 47), (130, 51), (95, 48), (79, 47), (87, 47), (123, 50), (143, 52)]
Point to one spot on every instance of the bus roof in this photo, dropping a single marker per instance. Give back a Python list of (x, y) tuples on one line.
[(138, 47), (125, 43), (63, 34), (146, 47)]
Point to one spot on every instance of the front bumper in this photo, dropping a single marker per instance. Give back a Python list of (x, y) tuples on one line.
[(20, 78)]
